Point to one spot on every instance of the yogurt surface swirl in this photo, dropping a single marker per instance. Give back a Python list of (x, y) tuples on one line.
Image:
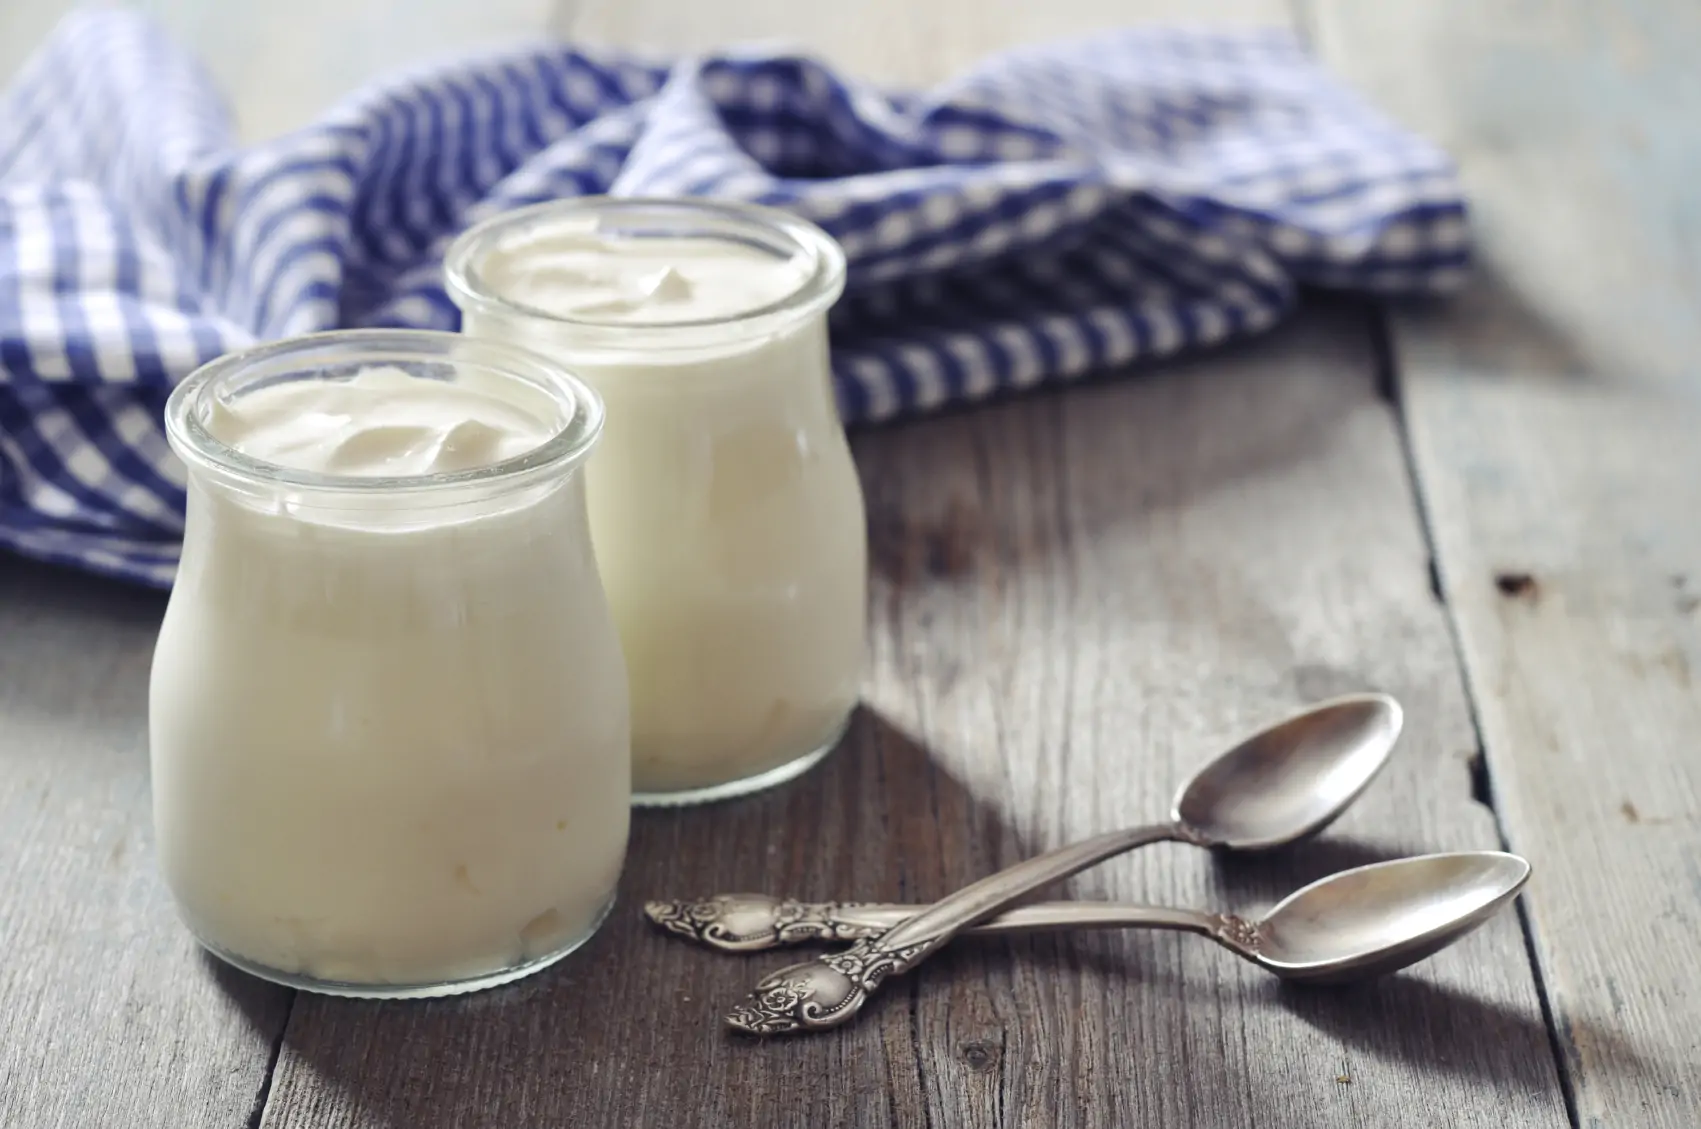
[(382, 422), (580, 274)]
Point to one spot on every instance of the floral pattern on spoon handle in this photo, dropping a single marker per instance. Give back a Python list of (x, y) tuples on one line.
[(823, 993), (748, 923)]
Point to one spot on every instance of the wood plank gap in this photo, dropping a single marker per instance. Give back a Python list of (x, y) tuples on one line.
[(1389, 383), (1567, 1090), (1389, 386), (263, 1098)]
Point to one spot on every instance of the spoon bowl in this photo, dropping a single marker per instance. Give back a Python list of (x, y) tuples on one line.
[(1354, 925), (1291, 780), (1375, 919), (1282, 784)]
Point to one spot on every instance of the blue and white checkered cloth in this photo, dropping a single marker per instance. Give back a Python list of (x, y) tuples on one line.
[(1059, 210)]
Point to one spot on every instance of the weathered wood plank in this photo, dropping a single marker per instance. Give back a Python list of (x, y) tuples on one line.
[(108, 1014), (1554, 418), (1077, 598), (280, 64)]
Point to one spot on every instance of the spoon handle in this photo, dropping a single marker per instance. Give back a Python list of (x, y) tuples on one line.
[(827, 992), (937, 923), (790, 922)]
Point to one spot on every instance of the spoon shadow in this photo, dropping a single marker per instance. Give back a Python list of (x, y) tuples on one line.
[(1242, 879), (1403, 1018), (1407, 1019)]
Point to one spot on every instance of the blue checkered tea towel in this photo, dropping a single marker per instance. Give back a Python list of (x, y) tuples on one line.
[(1058, 210)]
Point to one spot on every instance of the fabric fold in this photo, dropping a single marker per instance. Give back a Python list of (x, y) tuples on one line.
[(1059, 210)]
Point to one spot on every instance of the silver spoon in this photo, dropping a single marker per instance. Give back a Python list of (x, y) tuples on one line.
[(1353, 925), (1278, 786)]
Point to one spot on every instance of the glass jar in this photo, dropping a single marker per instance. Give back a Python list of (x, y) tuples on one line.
[(725, 508), (388, 716)]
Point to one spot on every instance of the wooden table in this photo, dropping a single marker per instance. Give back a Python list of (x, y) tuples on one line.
[(1486, 507)]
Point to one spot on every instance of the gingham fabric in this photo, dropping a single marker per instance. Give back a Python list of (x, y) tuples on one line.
[(1059, 210)]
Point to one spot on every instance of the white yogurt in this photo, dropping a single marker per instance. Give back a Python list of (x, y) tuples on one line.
[(574, 271), (724, 507), (382, 422), (389, 726)]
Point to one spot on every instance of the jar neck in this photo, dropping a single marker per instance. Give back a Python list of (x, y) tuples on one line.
[(377, 508), (334, 571), (481, 278), (790, 365), (204, 411)]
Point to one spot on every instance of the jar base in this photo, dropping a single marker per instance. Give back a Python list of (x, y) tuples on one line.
[(745, 785), (424, 991)]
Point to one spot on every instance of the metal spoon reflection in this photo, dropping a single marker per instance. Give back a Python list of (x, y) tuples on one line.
[(1353, 925), (1276, 787)]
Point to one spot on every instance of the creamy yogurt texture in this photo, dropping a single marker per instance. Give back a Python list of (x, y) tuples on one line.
[(390, 736), (575, 272), (381, 422), (724, 508)]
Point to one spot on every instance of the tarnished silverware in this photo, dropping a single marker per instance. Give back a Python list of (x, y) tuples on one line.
[(1278, 786), (1352, 925)]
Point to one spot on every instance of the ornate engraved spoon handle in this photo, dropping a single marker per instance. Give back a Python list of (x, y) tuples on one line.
[(749, 923), (827, 992)]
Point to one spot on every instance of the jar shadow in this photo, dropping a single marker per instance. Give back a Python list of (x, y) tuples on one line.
[(632, 1022)]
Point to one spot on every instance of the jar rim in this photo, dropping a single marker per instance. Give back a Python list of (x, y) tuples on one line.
[(818, 289), (198, 447)]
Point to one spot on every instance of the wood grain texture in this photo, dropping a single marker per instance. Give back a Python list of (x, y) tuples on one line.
[(1554, 418), (1077, 599), (108, 1014)]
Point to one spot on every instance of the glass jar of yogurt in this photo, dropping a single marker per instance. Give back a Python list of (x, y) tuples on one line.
[(388, 712), (725, 508)]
